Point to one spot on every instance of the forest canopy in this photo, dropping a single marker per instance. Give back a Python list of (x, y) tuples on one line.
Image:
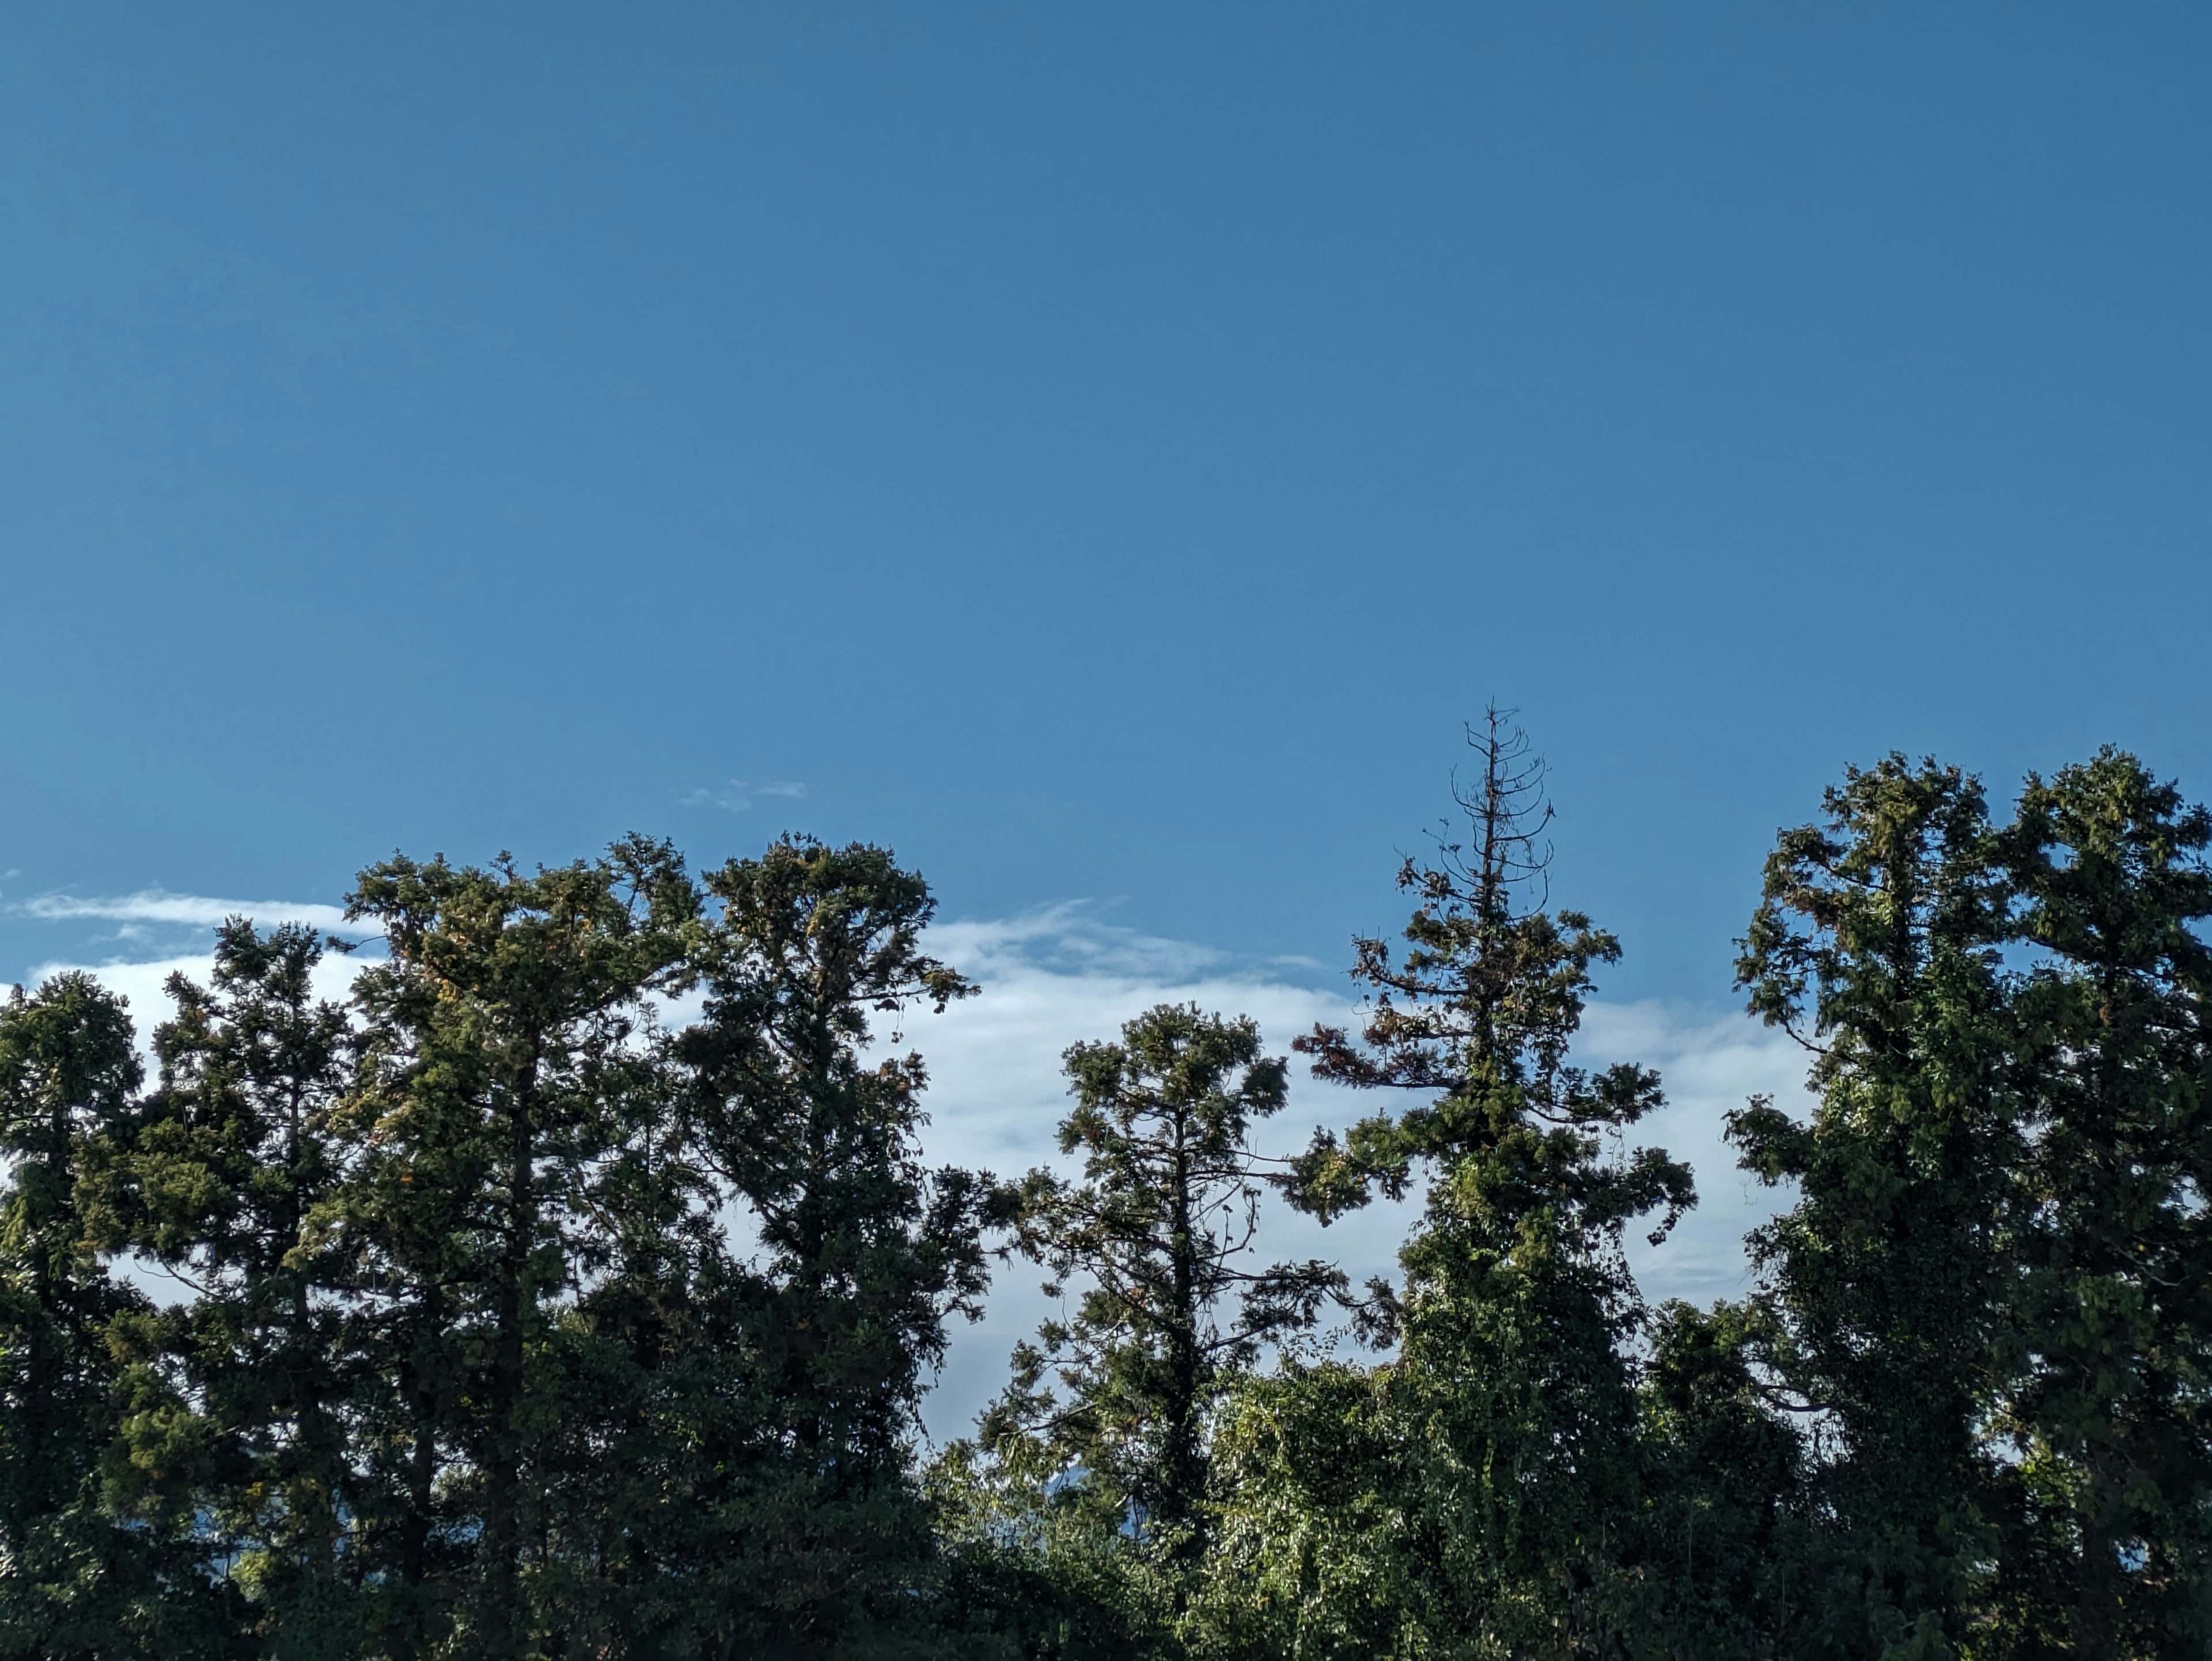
[(526, 1320)]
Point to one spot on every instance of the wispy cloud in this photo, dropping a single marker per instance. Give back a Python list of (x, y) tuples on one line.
[(736, 796), (154, 905)]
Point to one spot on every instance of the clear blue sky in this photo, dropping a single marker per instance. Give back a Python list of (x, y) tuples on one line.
[(1102, 451)]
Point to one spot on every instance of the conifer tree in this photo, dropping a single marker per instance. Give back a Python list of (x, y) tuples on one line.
[(226, 1177), (861, 1252), (80, 1577), (504, 1071), (1513, 1396), (2107, 1407), (1886, 1284), (1155, 1230)]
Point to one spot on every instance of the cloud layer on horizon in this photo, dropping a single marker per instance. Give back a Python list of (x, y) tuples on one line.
[(1057, 976)]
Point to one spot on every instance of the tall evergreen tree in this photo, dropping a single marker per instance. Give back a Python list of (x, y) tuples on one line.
[(1156, 1230), (81, 1579), (861, 1253), (1513, 1392), (1877, 942), (2111, 1406), (226, 1177), (505, 1069)]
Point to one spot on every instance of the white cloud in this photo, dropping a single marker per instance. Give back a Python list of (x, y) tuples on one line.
[(1053, 978), (154, 905), (141, 985), (736, 796)]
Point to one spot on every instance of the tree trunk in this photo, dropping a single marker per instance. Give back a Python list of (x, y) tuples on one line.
[(503, 1468)]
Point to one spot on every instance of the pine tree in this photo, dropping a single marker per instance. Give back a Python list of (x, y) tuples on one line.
[(225, 1177), (861, 1254), (1156, 1230), (505, 1069), (80, 1575)]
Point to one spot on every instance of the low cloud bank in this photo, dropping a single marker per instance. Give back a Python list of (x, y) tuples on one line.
[(1054, 977)]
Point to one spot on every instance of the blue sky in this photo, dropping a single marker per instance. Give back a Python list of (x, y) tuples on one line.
[(1104, 453)]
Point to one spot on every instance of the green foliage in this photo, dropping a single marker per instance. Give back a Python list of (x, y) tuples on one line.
[(1166, 1209), (85, 1571), (1511, 1409), (1314, 1502), (1032, 1572), (525, 1323), (1991, 1290), (864, 1253), (225, 1176), (1877, 941), (502, 1078), (2106, 1406), (1724, 1555)]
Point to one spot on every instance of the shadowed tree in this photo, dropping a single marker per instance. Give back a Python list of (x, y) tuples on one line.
[(80, 1576), (506, 1067), (224, 1178), (1157, 1231), (861, 1253), (1885, 1283), (2108, 1411), (1512, 1403)]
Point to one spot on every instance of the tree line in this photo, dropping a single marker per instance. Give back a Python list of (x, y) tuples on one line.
[(529, 1320)]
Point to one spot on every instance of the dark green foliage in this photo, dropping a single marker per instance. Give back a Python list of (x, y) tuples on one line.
[(502, 1079), (86, 1570), (523, 1323), (863, 1253), (226, 1177), (1991, 1291), (1724, 1557), (2107, 1410), (1166, 1209), (1510, 1415), (1039, 1571), (1877, 942)]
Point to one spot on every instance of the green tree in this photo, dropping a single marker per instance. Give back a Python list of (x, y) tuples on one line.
[(861, 1255), (2110, 1410), (506, 1067), (1156, 1231), (1725, 1549), (1513, 1392), (1885, 1284), (1317, 1496), (80, 1576), (224, 1177)]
